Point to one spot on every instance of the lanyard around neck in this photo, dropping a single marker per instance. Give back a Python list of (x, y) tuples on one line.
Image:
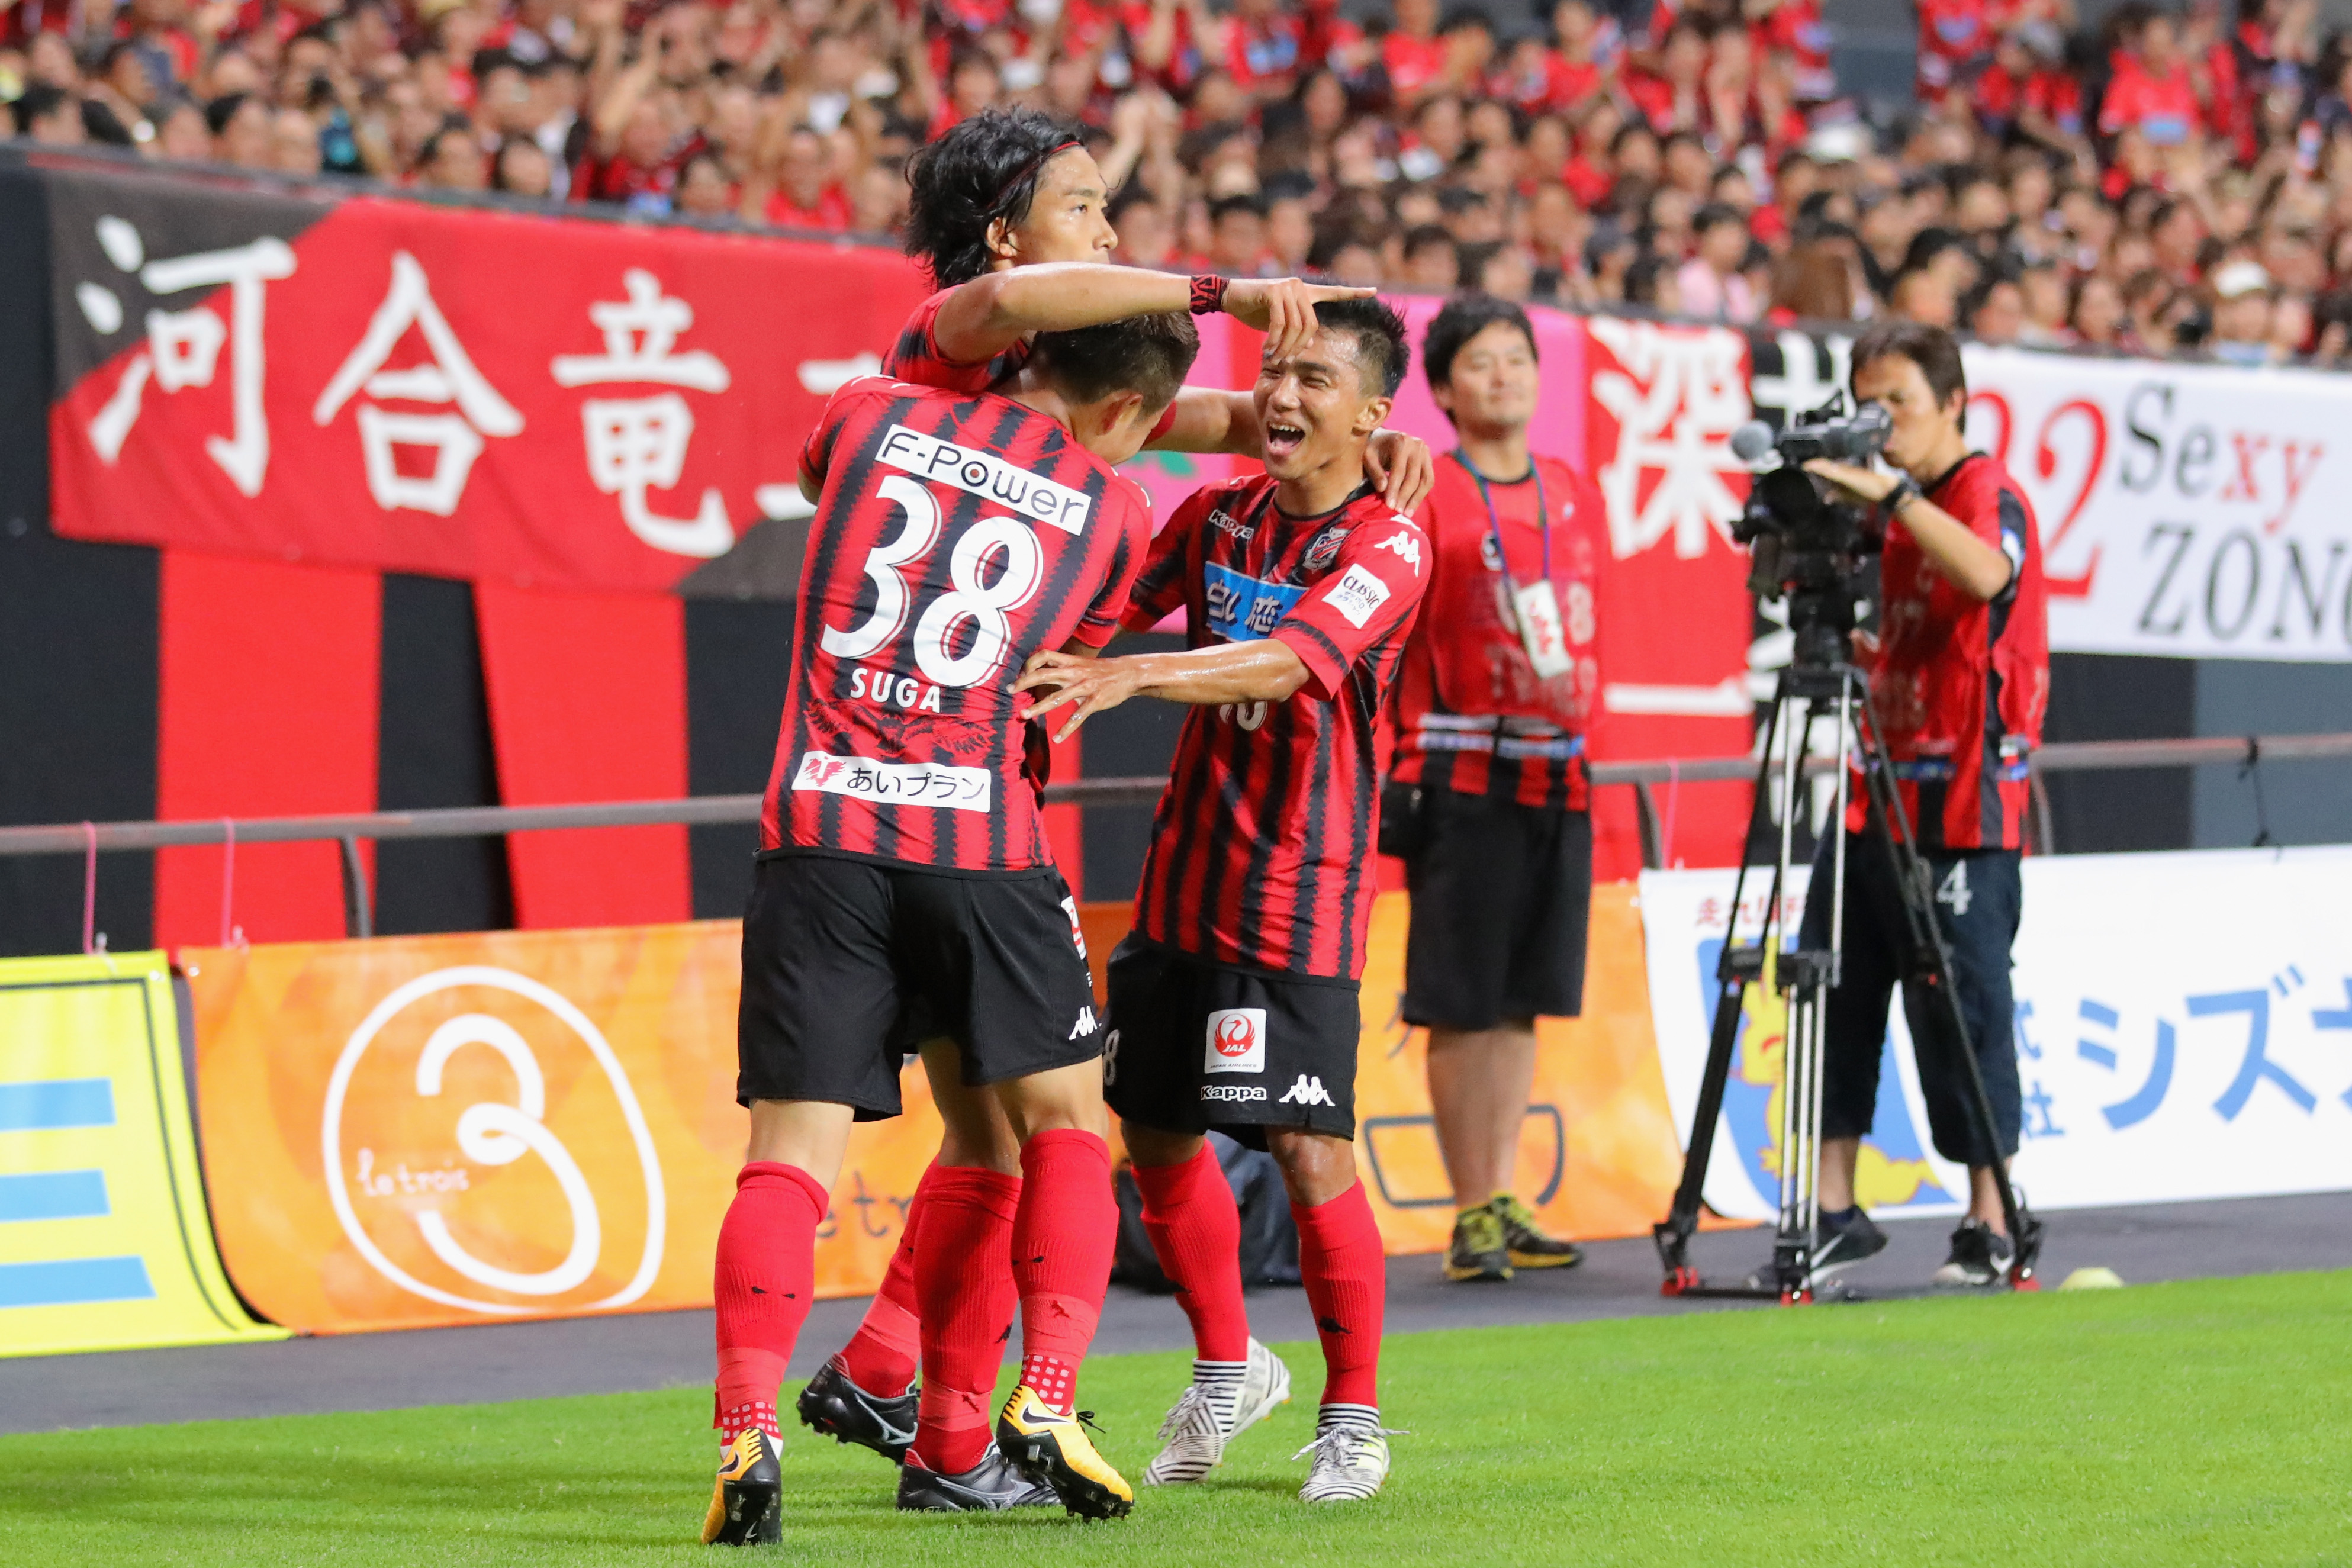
[(1495, 522)]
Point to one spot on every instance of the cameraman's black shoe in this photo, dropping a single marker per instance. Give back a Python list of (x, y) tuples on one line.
[(1846, 1242), (1979, 1258)]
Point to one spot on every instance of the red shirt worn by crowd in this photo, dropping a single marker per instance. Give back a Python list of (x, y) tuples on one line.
[(2165, 108), (829, 212), (1262, 849), (956, 536), (1960, 686), (1412, 63), (1953, 34), (1471, 713)]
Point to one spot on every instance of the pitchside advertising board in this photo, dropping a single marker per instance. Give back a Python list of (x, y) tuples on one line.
[(104, 1243), (2183, 1030), (2190, 511)]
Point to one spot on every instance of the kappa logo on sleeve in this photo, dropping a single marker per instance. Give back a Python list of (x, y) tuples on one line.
[(1356, 594), (1236, 1041), (1407, 548)]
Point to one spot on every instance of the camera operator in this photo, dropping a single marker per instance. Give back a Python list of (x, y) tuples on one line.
[(1486, 794), (1959, 680)]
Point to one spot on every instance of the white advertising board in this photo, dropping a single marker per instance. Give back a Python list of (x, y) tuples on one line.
[(2183, 1030), (2190, 510)]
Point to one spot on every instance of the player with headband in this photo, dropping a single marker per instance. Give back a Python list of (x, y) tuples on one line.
[(1009, 214)]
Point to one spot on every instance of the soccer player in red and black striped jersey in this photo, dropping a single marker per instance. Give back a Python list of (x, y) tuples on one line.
[(905, 896), (1008, 214), (1234, 998), (1485, 800)]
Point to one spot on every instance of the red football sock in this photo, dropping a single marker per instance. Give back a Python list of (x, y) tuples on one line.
[(763, 1280), (1062, 1246), (1346, 1285), (881, 1356), (963, 1287), (1196, 1230)]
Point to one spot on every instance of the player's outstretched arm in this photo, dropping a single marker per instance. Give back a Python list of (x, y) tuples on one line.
[(987, 315), (1262, 671), (1208, 420)]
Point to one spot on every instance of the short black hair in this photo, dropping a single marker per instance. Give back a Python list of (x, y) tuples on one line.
[(1146, 354), (1463, 318), (222, 110), (1935, 352), (1224, 207), (1425, 236), (1382, 351), (39, 101), (984, 169), (1714, 215)]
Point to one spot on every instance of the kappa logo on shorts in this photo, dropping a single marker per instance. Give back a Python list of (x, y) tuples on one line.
[(1236, 1041), (1306, 1092), (1231, 1091), (1086, 1024)]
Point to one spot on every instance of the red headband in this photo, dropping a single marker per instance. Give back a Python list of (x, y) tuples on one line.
[(1029, 172)]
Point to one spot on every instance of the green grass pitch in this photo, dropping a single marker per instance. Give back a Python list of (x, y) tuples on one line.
[(2206, 1423)]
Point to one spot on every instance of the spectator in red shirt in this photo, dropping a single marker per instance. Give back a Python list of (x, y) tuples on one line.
[(2151, 90), (1412, 53), (1955, 36), (801, 191), (1675, 99)]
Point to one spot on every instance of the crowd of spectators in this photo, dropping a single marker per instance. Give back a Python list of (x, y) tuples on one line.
[(2147, 181)]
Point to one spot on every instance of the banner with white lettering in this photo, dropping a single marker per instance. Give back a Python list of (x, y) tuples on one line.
[(383, 383), (2183, 1030)]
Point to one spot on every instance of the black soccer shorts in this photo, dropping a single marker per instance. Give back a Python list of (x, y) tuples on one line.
[(1502, 903), (1195, 1044), (850, 963), (1978, 899)]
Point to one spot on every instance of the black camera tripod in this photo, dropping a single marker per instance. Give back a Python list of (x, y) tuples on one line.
[(1819, 684)]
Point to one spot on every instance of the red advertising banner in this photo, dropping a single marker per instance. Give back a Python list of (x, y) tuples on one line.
[(1676, 615), (459, 392)]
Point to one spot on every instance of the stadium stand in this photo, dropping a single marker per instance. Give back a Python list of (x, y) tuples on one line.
[(2126, 177)]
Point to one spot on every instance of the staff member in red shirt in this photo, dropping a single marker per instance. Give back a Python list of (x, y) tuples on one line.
[(1487, 798), (1960, 682)]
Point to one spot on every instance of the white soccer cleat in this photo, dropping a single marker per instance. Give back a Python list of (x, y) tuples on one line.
[(1207, 1416), (1265, 1385), (1351, 1463)]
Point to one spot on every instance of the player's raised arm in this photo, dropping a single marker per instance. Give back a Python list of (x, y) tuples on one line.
[(991, 313)]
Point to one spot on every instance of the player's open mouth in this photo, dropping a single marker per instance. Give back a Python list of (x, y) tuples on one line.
[(1281, 440)]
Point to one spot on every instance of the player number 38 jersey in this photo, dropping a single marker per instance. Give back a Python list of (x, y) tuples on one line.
[(957, 535), (1262, 851)]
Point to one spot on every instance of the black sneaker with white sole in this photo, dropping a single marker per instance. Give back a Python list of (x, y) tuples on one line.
[(1980, 1257), (1846, 1242)]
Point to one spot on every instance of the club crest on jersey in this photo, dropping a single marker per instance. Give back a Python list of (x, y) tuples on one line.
[(1324, 550), (985, 475), (1407, 548), (1236, 1041)]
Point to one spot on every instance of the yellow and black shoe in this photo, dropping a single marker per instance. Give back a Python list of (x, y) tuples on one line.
[(746, 1509), (1053, 1449), (1530, 1248), (1478, 1250)]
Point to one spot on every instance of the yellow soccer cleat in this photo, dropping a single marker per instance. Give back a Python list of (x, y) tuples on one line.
[(1054, 1450), (746, 1507)]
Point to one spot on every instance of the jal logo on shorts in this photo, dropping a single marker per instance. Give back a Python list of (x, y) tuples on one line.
[(1236, 1041)]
